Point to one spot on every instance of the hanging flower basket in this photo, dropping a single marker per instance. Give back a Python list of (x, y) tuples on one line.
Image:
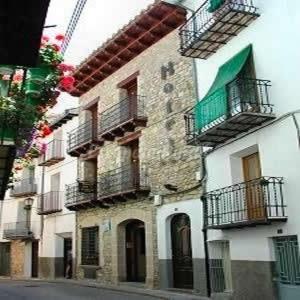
[(6, 70), (38, 75), (33, 89)]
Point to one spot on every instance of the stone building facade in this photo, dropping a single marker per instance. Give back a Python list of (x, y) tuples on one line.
[(166, 165)]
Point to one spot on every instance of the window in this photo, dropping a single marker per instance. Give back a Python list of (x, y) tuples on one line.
[(220, 266), (90, 246)]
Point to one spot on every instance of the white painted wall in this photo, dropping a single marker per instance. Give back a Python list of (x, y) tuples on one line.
[(275, 39)]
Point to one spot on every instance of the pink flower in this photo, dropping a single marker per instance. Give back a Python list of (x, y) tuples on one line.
[(45, 38), (6, 77), (18, 77), (65, 68), (60, 37)]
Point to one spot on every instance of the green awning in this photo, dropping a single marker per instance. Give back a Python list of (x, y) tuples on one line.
[(214, 104)]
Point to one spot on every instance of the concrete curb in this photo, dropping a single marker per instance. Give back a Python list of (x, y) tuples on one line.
[(159, 294)]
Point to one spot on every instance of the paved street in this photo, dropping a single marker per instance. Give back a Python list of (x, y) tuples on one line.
[(15, 290)]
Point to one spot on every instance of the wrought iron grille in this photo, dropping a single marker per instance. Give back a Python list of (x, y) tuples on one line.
[(50, 202), (81, 191), (17, 230), (123, 179), (24, 187), (256, 201), (127, 109), (81, 135), (288, 259), (193, 34), (54, 150), (244, 95), (90, 246)]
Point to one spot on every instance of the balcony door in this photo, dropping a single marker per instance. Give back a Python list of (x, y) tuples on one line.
[(135, 162), (132, 90), (254, 192)]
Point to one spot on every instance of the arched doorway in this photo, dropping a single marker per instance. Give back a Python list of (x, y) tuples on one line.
[(135, 251), (182, 252)]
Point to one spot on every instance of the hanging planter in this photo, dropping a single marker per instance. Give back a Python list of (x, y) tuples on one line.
[(6, 70), (7, 134), (215, 5), (33, 89), (38, 75)]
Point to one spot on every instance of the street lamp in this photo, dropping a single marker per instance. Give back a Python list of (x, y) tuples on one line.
[(28, 203)]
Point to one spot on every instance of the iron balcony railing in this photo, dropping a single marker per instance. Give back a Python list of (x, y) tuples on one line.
[(243, 95), (17, 231), (132, 107), (128, 178), (25, 187), (80, 192), (208, 29), (81, 135), (258, 201), (54, 153), (50, 202)]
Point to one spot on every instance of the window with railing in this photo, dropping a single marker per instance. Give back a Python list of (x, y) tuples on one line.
[(24, 187), (81, 135), (257, 201), (130, 108), (214, 24), (90, 246), (123, 179), (80, 191), (54, 151), (50, 202)]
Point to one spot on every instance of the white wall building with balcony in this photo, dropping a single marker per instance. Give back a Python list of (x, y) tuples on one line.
[(247, 121)]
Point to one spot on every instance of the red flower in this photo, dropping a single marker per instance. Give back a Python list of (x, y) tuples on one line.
[(60, 37), (67, 82), (45, 38), (46, 130), (56, 47)]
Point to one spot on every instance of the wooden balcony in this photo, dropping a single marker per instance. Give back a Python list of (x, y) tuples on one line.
[(81, 195), (122, 184), (17, 231), (54, 153), (82, 138), (209, 28), (251, 203), (121, 118), (24, 188), (247, 106), (50, 203)]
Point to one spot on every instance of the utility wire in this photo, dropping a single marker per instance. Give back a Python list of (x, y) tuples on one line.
[(72, 24)]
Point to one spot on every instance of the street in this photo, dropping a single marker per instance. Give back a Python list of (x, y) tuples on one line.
[(15, 290)]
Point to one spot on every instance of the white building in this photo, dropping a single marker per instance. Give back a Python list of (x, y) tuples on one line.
[(36, 239), (247, 119)]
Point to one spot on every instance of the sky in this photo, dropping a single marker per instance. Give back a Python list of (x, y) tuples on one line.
[(98, 22)]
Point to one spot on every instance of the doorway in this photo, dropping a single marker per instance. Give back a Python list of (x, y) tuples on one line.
[(4, 259), (254, 191), (182, 257), (288, 267), (68, 258), (135, 251), (34, 259)]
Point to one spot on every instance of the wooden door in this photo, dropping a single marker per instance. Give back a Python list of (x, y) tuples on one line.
[(34, 259), (94, 116), (254, 192), (135, 162), (136, 251), (182, 252), (67, 251), (132, 97)]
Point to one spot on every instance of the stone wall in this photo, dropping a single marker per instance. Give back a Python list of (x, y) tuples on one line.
[(166, 81), (17, 258)]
